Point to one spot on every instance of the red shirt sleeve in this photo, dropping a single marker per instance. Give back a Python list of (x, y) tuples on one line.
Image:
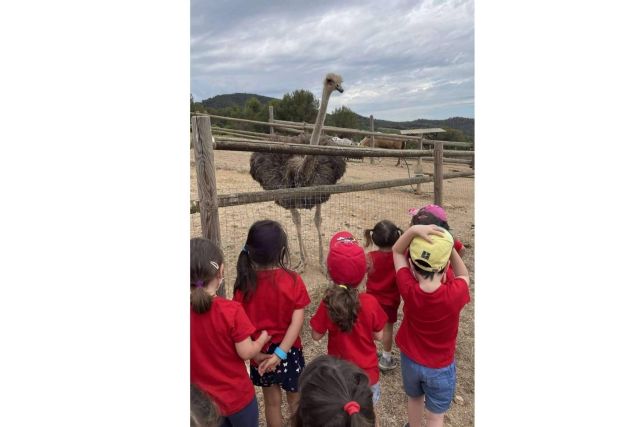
[(461, 292), (379, 316), (457, 245), (242, 328), (301, 296), (319, 321), (405, 281)]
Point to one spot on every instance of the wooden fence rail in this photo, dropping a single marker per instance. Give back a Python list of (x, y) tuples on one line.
[(235, 199), (309, 126), (326, 150)]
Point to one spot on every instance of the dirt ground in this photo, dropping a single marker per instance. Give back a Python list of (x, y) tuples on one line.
[(355, 212)]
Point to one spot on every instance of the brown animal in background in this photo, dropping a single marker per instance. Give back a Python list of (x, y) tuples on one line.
[(382, 142)]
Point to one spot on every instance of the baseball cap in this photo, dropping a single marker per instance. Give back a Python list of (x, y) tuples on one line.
[(431, 257), (346, 263)]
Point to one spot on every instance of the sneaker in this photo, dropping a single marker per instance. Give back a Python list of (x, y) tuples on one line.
[(387, 364)]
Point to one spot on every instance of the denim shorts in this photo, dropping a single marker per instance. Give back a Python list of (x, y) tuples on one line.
[(437, 385), (375, 389)]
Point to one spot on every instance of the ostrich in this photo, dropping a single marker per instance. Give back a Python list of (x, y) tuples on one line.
[(273, 171)]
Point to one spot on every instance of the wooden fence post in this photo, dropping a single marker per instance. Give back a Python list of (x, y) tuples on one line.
[(206, 177), (418, 169), (438, 169), (271, 131), (373, 138)]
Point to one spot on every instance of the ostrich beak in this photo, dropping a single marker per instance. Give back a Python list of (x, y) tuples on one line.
[(339, 88)]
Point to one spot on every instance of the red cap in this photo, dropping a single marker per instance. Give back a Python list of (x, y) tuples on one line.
[(346, 263)]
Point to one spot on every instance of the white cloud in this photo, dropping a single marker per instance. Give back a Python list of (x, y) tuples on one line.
[(403, 57)]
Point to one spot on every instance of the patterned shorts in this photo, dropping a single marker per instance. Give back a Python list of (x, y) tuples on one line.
[(286, 373)]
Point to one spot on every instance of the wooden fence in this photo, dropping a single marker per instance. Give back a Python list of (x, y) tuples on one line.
[(209, 203)]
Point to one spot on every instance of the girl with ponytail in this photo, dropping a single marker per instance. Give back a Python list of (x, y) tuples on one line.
[(334, 393), (221, 340), (352, 319), (274, 298), (381, 282)]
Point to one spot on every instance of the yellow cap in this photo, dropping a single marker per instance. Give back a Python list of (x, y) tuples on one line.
[(431, 257)]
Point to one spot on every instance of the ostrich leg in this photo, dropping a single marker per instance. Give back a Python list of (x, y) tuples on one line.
[(317, 219), (295, 215)]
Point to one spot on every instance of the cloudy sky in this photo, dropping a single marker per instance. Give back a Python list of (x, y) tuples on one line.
[(400, 59)]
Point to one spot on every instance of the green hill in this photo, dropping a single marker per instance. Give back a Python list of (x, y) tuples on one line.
[(233, 100), (453, 125)]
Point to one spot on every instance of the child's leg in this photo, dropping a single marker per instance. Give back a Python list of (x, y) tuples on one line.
[(272, 403), (434, 420), (293, 399), (414, 410), (387, 337)]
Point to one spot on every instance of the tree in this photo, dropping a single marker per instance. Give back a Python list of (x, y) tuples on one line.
[(298, 106), (343, 117)]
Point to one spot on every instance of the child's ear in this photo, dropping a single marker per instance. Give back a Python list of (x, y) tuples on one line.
[(221, 271)]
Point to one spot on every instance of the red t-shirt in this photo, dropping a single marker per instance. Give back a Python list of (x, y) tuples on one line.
[(271, 306), (357, 345), (381, 279), (215, 365), (429, 328)]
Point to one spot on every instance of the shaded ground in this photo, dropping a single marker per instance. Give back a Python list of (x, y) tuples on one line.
[(355, 212)]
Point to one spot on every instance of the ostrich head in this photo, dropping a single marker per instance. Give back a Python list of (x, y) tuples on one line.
[(333, 82)]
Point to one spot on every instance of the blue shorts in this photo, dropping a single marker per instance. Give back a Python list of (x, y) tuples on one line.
[(437, 385), (286, 373), (246, 417)]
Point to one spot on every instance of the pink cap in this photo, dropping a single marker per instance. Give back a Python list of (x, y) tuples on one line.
[(435, 210)]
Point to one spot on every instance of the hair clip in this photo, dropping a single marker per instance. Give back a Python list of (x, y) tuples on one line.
[(343, 286), (245, 249), (351, 407), (215, 265)]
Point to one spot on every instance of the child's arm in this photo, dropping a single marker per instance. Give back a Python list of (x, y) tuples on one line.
[(317, 336), (401, 245), (293, 331), (248, 348), (459, 269)]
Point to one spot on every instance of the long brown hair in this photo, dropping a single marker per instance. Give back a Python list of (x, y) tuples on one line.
[(326, 385), (343, 305), (203, 411), (205, 256)]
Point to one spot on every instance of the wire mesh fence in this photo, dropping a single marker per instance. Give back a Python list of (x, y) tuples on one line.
[(354, 212)]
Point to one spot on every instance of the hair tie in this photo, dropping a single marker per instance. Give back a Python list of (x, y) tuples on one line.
[(343, 286), (351, 407), (199, 284)]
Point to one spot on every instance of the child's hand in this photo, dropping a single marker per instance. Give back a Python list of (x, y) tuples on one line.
[(425, 230), (263, 338), (269, 365), (260, 357)]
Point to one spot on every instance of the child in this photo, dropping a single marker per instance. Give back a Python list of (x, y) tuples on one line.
[(432, 305), (434, 214), (203, 410), (221, 340), (353, 320), (274, 298), (334, 393), (381, 282)]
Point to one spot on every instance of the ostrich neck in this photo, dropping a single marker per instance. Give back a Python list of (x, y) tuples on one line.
[(315, 135)]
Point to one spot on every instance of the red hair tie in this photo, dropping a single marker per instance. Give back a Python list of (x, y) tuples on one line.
[(351, 407)]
